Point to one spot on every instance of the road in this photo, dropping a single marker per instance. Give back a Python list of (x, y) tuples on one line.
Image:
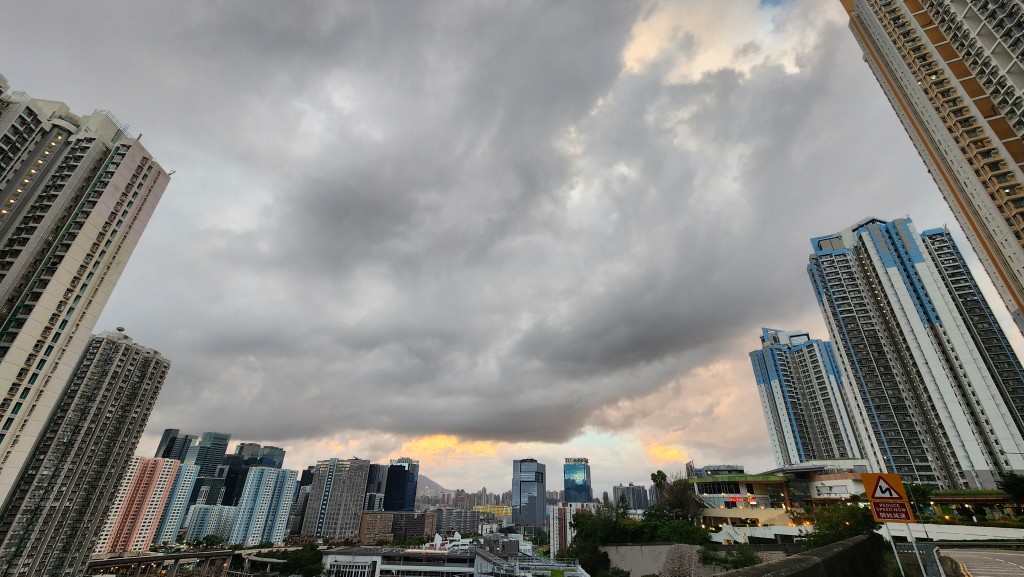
[(989, 562)]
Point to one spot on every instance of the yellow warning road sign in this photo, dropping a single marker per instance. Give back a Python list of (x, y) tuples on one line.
[(888, 498)]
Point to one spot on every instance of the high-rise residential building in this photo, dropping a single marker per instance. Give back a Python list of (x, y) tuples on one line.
[(263, 508), (50, 521), (208, 453), (203, 520), (177, 505), (800, 385), (133, 520), (400, 489), (336, 499), (578, 488), (954, 73), (528, 493), (933, 388), (174, 445), (635, 496), (76, 192), (560, 527)]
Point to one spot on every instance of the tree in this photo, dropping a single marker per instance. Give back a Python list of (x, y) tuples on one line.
[(212, 541), (919, 496), (833, 523), (1013, 485), (678, 500)]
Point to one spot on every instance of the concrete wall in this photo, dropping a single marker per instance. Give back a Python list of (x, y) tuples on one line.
[(673, 560), (857, 556)]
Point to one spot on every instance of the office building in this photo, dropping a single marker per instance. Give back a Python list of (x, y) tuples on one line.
[(927, 370), (263, 507), (457, 520), (336, 499), (76, 192), (953, 71), (174, 445), (208, 453), (177, 505), (298, 512), (384, 527), (635, 496), (400, 489), (528, 493), (50, 522), (577, 481), (376, 481), (133, 519), (800, 386)]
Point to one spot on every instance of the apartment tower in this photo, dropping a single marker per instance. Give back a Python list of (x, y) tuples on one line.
[(264, 506), (800, 387), (135, 514), (177, 505), (933, 389), (76, 192), (52, 518), (954, 73)]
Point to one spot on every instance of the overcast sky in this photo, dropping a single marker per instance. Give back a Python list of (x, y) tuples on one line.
[(469, 232)]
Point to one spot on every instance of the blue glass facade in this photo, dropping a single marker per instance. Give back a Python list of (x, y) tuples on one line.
[(578, 488), (529, 493)]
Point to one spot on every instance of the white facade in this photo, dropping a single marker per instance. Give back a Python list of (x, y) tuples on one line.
[(927, 401), (264, 506), (954, 73), (177, 505), (65, 237), (560, 526)]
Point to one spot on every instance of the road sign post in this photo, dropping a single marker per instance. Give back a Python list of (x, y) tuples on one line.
[(889, 504)]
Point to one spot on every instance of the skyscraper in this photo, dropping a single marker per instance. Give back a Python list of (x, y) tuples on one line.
[(577, 481), (76, 193), (336, 499), (208, 453), (635, 495), (954, 73), (928, 372), (400, 489), (174, 445), (264, 506), (50, 522), (801, 386), (529, 501), (134, 517)]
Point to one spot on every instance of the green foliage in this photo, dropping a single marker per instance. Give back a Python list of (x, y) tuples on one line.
[(919, 496), (307, 561), (734, 559), (1013, 485), (212, 541), (833, 523), (613, 572), (677, 501), (609, 523)]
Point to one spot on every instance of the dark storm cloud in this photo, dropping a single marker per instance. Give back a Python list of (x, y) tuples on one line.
[(464, 218)]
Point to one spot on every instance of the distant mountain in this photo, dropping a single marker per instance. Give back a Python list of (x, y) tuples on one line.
[(424, 486)]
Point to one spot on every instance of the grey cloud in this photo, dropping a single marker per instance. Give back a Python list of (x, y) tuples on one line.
[(376, 224)]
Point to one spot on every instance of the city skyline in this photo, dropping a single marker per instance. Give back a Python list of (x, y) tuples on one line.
[(564, 251)]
